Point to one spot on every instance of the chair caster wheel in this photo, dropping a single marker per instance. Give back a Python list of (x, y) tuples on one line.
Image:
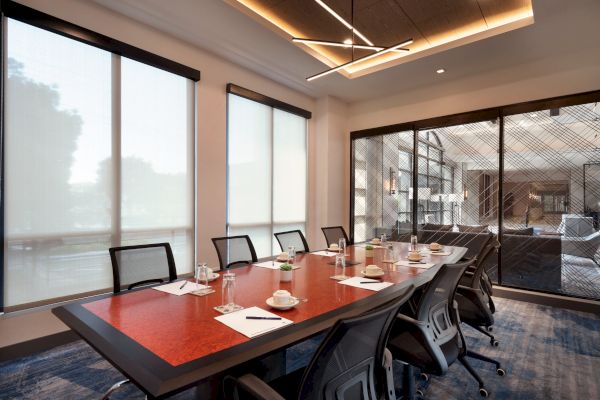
[(420, 393), (494, 342), (500, 372), (424, 377), (490, 328), (483, 392)]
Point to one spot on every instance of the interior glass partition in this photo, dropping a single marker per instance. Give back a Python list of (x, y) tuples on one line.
[(458, 186), (382, 184), (528, 172), (551, 192)]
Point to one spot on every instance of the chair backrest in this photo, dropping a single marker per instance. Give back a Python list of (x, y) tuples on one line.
[(435, 306), (142, 264), (234, 250), (334, 233), (292, 238), (348, 363)]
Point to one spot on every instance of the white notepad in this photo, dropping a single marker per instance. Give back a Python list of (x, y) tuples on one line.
[(272, 265), (174, 287), (252, 327), (356, 282), (435, 253), (406, 263), (324, 253), (375, 246)]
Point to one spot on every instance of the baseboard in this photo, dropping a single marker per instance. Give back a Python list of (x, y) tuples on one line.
[(36, 345), (547, 299)]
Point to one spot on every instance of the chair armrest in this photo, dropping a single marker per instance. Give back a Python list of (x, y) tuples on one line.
[(255, 387)]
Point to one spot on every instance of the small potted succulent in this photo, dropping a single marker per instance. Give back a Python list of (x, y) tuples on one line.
[(285, 272), (369, 250)]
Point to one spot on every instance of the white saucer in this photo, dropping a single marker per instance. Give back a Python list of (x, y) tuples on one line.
[(376, 243), (364, 273), (336, 249), (435, 251), (293, 303), (283, 260), (213, 277)]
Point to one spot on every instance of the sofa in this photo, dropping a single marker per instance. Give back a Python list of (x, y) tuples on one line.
[(528, 261)]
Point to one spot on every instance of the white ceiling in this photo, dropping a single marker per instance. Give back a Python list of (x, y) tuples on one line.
[(562, 28)]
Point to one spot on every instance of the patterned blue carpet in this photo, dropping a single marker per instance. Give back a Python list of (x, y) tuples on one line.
[(548, 353)]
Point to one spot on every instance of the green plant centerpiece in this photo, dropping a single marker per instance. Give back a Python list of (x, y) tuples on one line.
[(369, 250), (285, 267), (285, 274)]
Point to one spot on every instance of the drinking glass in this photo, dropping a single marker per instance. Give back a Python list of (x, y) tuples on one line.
[(340, 265), (228, 291), (413, 243), (342, 246), (388, 256), (201, 274), (383, 238), (291, 254)]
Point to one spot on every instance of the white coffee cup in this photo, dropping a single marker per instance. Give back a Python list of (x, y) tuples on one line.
[(414, 256), (376, 240), (282, 297), (372, 270), (334, 246), (283, 255)]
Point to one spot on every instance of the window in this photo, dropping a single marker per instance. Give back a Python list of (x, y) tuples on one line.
[(266, 159), (80, 177)]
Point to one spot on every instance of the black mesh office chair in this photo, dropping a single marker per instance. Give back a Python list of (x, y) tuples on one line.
[(475, 305), (136, 266), (234, 251), (334, 233), (292, 238), (430, 337), (141, 265), (482, 257), (349, 364)]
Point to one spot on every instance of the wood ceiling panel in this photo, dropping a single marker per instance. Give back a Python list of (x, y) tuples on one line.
[(437, 19), (496, 12)]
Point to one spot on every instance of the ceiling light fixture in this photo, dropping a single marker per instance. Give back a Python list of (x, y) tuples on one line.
[(346, 44), (343, 21), (350, 43), (440, 71), (358, 60)]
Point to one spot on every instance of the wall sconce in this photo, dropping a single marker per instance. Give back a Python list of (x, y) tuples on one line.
[(393, 181), (466, 192)]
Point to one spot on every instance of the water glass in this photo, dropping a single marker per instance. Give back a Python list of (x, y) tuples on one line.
[(340, 265), (201, 273), (228, 291), (413, 243), (291, 254), (383, 238), (342, 246)]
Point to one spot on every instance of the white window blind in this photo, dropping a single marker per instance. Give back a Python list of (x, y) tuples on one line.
[(70, 192), (267, 172)]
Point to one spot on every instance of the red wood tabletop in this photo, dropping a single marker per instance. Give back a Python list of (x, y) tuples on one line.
[(180, 329)]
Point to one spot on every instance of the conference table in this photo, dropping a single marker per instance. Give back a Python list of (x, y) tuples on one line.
[(166, 343)]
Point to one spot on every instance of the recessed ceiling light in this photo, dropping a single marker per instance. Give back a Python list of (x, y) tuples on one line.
[(440, 71)]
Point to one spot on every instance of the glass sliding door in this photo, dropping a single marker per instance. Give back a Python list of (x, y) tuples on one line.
[(551, 192), (458, 186), (382, 183)]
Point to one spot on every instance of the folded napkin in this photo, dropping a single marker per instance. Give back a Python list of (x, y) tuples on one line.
[(174, 287), (252, 327), (356, 282), (406, 263)]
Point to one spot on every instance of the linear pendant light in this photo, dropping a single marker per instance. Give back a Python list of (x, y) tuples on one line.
[(358, 60), (341, 44), (343, 21)]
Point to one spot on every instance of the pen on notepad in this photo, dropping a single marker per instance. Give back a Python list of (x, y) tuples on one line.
[(250, 317), (370, 282), (182, 286)]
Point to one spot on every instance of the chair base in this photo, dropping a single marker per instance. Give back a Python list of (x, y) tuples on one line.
[(113, 388)]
